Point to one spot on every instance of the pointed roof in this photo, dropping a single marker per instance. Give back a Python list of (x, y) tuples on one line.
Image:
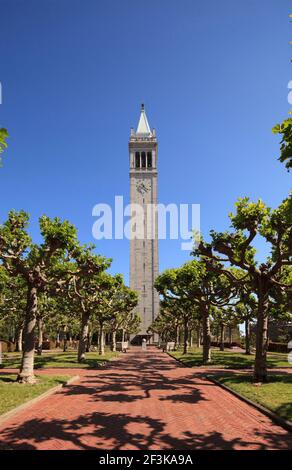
[(143, 126)]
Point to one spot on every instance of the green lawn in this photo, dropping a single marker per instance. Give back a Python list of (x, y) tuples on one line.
[(13, 394), (60, 359), (229, 359), (276, 395)]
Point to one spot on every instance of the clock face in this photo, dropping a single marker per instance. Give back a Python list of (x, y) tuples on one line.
[(143, 186)]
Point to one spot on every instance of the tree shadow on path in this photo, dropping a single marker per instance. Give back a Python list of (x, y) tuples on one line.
[(122, 431)]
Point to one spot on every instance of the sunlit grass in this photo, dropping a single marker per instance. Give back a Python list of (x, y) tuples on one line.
[(61, 360), (276, 395), (13, 394), (229, 359)]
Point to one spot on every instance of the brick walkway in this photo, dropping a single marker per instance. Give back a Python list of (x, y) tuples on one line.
[(142, 401)]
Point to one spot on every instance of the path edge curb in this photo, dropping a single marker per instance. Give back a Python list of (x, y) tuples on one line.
[(273, 416), (27, 404)]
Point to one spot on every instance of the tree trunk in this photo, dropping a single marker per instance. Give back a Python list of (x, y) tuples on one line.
[(65, 339), (222, 337), (101, 340), (230, 336), (26, 372), (247, 336), (88, 339), (217, 334), (191, 338), (123, 335), (186, 334), (40, 337), (199, 336), (83, 336), (58, 340), (206, 337), (114, 340), (19, 339), (176, 336), (260, 366)]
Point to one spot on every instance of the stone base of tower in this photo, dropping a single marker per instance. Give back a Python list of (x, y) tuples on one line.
[(136, 340)]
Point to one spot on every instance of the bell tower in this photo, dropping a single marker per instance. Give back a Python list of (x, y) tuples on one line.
[(144, 247)]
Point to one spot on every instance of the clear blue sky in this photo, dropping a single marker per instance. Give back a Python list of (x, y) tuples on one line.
[(213, 77)]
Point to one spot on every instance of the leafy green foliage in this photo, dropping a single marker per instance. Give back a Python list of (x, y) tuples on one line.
[(285, 131), (12, 304), (190, 294), (3, 143), (267, 280), (123, 301)]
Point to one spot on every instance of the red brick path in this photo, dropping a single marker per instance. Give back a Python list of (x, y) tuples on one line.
[(142, 401)]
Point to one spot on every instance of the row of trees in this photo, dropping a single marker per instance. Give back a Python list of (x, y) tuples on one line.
[(225, 283), (58, 282), (181, 318)]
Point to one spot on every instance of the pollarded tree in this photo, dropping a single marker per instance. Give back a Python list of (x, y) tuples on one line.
[(64, 324), (280, 308), (163, 326), (98, 300), (221, 318), (246, 312), (132, 326), (12, 305), (48, 307), (175, 299), (168, 323), (104, 306), (174, 309), (34, 264), (194, 285), (236, 248), (84, 286), (195, 325), (182, 315), (170, 310), (232, 321), (124, 300)]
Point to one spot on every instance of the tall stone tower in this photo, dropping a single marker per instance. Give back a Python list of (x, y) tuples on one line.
[(144, 248)]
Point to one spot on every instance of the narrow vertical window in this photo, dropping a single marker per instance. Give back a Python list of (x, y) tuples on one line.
[(143, 160), (137, 160), (149, 159)]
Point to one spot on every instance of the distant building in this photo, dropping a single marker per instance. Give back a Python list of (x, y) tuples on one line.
[(280, 331)]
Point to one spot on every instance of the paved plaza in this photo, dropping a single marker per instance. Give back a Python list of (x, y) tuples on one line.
[(142, 400)]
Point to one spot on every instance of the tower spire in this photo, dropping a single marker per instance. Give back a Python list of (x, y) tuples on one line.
[(143, 126)]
